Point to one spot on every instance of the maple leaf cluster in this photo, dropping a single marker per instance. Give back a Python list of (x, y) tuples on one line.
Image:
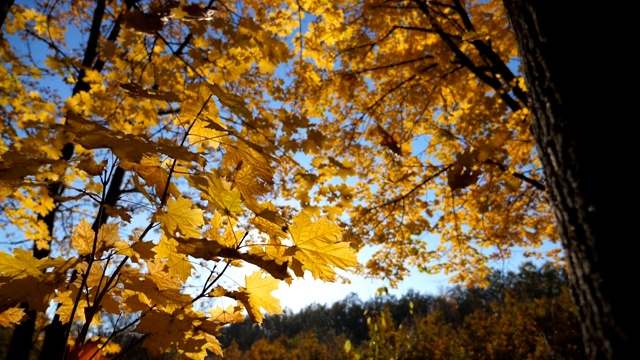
[(273, 134), (154, 176), (420, 142)]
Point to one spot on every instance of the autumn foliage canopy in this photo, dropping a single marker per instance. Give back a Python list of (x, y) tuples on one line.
[(149, 146)]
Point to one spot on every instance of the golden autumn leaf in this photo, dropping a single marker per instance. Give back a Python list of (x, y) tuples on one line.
[(20, 264), (130, 148), (389, 141), (95, 276), (157, 288), (370, 115), (231, 314), (319, 247), (163, 280), (218, 193), (30, 289), (484, 151), (212, 345), (11, 316), (459, 176), (153, 174), (165, 329), (67, 306), (117, 212), (135, 90), (15, 165), (180, 217), (179, 265), (513, 183), (256, 295), (84, 237)]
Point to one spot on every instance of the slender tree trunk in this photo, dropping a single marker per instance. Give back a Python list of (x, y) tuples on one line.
[(22, 338), (54, 342), (576, 83)]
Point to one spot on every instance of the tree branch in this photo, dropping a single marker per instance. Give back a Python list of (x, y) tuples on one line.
[(498, 66), (535, 183), (414, 189), (492, 81)]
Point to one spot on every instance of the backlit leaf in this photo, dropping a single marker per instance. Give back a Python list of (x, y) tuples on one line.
[(256, 295), (180, 217), (10, 317), (319, 246)]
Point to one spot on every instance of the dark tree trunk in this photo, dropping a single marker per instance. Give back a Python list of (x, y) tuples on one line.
[(4, 11), (573, 60), (22, 338)]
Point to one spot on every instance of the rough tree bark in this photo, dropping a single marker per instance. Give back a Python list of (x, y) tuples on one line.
[(572, 62)]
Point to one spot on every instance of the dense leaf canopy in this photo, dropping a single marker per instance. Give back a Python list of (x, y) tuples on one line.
[(148, 146), (421, 126)]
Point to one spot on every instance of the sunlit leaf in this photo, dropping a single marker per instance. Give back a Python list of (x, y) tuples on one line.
[(319, 247), (256, 295), (10, 317), (180, 217)]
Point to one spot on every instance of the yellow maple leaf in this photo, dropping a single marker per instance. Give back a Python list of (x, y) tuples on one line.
[(21, 264), (66, 300), (259, 290), (203, 133), (79, 103), (266, 66), (177, 263), (319, 247), (167, 329), (96, 273), (213, 345), (83, 237), (153, 174), (11, 316), (93, 76), (229, 237), (162, 279), (136, 251), (156, 288), (231, 314), (210, 250), (181, 217), (272, 251), (89, 165), (218, 193), (134, 301)]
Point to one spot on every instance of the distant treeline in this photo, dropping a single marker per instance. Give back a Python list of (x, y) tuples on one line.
[(521, 315)]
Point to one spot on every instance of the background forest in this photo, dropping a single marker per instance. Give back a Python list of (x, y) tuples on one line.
[(525, 315)]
